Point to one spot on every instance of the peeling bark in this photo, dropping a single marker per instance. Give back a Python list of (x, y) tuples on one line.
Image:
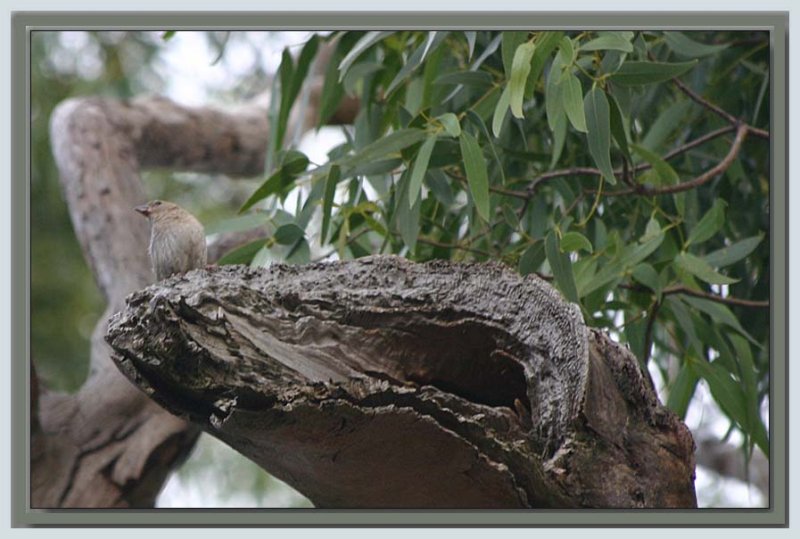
[(383, 383)]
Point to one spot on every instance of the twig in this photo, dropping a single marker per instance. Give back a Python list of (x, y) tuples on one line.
[(589, 171), (680, 289), (721, 167), (733, 120)]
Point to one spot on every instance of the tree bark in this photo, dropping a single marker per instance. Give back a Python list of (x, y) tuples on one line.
[(386, 384), (109, 445)]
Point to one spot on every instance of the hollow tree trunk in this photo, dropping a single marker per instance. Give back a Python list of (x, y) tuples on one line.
[(109, 445), (383, 383)]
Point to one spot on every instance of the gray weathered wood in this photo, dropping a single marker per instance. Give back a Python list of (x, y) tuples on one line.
[(383, 383)]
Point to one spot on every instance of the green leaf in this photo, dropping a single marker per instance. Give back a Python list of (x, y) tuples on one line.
[(690, 48), (562, 268), (719, 313), (682, 390), (500, 111), (574, 241), (618, 130), (546, 43), (618, 41), (280, 180), (572, 101), (520, 68), (480, 79), (288, 234), (711, 222), (665, 173), (599, 135), (420, 167), (734, 252), (390, 144), (451, 124), (552, 93), (511, 41), (700, 269), (477, 120), (369, 39), (475, 167), (406, 216), (169, 34), (566, 52), (332, 91), (243, 254), (639, 73), (432, 41), (559, 137), (334, 175), (471, 36), (647, 275), (725, 390), (532, 258)]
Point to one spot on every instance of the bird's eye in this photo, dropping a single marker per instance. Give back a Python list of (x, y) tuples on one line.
[(157, 203)]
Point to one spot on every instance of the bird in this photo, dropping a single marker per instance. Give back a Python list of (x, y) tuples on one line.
[(177, 239)]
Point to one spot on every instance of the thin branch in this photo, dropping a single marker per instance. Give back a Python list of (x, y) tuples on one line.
[(453, 246), (733, 120), (721, 167), (589, 171), (680, 289)]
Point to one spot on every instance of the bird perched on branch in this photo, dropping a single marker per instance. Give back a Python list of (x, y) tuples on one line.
[(177, 239)]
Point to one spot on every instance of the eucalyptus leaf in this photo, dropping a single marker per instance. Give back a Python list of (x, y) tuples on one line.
[(475, 167), (598, 123)]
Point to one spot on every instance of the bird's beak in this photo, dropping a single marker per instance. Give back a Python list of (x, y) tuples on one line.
[(144, 209)]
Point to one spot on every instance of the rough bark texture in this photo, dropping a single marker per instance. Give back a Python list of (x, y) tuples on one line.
[(109, 445), (383, 383)]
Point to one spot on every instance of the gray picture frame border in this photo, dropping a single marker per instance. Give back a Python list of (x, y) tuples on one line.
[(22, 23)]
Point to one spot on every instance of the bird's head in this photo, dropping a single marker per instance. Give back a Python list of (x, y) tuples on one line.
[(158, 209)]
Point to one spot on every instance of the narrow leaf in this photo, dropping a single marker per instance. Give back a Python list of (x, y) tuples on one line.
[(574, 241), (475, 167), (390, 144), (618, 41), (711, 222), (638, 73), (470, 43), (545, 45), (599, 135), (420, 167), (480, 79), (681, 44), (572, 100), (700, 269), (618, 130), (511, 41), (243, 254), (666, 174), (734, 252), (562, 268), (520, 68), (552, 93), (334, 174), (500, 111), (369, 39)]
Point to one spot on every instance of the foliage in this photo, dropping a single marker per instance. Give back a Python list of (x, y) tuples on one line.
[(583, 157)]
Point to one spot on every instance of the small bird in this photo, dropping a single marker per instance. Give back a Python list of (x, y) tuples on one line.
[(177, 239)]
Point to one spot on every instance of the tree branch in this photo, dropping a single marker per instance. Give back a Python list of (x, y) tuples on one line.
[(710, 174), (459, 385)]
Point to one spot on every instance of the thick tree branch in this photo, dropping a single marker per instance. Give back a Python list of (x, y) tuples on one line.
[(458, 385)]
